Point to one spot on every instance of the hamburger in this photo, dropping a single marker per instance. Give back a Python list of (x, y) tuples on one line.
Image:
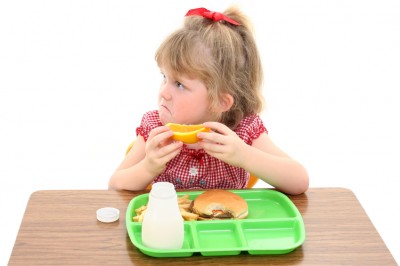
[(219, 204)]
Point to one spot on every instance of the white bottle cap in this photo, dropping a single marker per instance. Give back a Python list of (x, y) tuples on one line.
[(107, 214)]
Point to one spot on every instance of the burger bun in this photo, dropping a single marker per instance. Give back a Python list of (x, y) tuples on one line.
[(220, 204)]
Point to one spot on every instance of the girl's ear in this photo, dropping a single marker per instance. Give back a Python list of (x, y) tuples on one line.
[(226, 102)]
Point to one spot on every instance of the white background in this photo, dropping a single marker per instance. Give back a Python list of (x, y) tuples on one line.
[(76, 77)]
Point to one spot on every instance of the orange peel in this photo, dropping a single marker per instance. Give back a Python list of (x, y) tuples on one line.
[(187, 133)]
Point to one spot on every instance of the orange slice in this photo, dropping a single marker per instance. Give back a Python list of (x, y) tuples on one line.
[(186, 133)]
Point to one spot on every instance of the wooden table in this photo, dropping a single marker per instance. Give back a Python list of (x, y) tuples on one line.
[(60, 227)]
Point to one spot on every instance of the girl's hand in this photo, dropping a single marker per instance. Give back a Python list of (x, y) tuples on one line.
[(222, 143), (160, 149)]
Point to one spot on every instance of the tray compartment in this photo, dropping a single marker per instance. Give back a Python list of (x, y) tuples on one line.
[(219, 238), (268, 205), (187, 247), (272, 236)]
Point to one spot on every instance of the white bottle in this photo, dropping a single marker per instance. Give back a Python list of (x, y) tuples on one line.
[(162, 226)]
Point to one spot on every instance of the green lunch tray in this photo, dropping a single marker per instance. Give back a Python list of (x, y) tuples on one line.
[(273, 226)]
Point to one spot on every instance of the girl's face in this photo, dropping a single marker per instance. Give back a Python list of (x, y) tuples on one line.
[(183, 100)]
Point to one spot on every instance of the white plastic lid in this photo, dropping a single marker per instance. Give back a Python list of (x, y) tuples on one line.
[(107, 214)]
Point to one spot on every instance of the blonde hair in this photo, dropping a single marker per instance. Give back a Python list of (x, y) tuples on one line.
[(223, 56)]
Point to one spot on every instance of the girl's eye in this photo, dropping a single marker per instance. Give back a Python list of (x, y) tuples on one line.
[(180, 85)]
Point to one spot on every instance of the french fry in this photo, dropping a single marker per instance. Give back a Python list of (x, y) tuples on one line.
[(136, 218), (183, 198), (189, 216), (141, 216), (185, 206), (141, 209)]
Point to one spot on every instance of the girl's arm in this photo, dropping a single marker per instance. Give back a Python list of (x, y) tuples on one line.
[(263, 158), (145, 160), (274, 166), (132, 173)]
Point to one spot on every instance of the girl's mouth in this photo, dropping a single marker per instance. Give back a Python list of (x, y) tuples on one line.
[(166, 108)]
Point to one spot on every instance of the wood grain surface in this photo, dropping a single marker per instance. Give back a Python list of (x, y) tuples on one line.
[(59, 227)]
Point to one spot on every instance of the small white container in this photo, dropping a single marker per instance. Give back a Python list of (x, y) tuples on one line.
[(162, 226), (107, 214)]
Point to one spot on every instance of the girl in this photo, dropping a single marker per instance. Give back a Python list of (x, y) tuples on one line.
[(212, 75)]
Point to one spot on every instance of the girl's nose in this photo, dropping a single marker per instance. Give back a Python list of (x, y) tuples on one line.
[(165, 91)]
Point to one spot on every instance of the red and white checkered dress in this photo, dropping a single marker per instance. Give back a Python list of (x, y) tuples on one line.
[(195, 169)]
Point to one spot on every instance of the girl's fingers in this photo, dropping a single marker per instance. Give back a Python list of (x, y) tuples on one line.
[(211, 147), (158, 130), (171, 150), (160, 136), (166, 153), (217, 135), (218, 127), (210, 137), (172, 147)]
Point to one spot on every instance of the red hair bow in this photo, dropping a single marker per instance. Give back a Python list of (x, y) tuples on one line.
[(215, 16)]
